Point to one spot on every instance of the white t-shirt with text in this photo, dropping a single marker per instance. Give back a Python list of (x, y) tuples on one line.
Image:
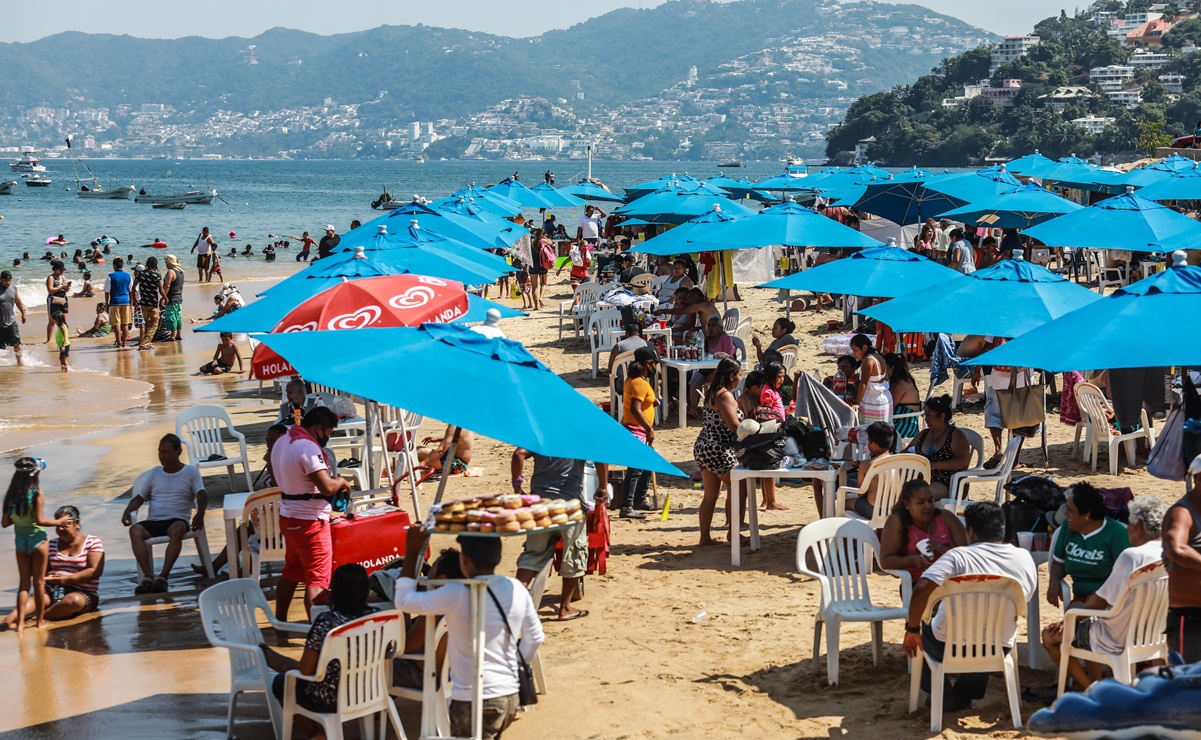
[(292, 461)]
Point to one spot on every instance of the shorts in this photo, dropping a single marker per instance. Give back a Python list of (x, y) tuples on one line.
[(208, 368), (203, 260), (457, 467), (60, 592), (159, 527), (309, 551), (173, 317), (64, 352), (538, 270), (992, 409), (10, 336), (540, 549), (120, 315), (1184, 632), (407, 674), (31, 539), (864, 508), (498, 715)]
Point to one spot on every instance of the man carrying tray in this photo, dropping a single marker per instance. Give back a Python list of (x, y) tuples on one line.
[(557, 478)]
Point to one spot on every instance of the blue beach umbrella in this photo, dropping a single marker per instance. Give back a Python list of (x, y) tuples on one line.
[(589, 190), (469, 224), (787, 225), (514, 398), (970, 187), (902, 198), (478, 217), (741, 188), (1005, 300), (556, 197), (517, 191), (1155, 172), (1121, 222), (677, 207), (1182, 185), (878, 272), (1141, 325), (1032, 165), (494, 202), (653, 186), (1018, 209), (786, 183), (676, 241)]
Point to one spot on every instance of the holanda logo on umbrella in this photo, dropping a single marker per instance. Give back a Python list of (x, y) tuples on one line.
[(361, 319), (414, 297)]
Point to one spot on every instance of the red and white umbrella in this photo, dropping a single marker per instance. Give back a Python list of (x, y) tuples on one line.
[(386, 301)]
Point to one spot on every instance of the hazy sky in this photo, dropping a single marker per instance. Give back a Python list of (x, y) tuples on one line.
[(30, 20)]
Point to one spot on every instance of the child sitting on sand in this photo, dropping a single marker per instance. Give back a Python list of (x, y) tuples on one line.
[(100, 327), (223, 357)]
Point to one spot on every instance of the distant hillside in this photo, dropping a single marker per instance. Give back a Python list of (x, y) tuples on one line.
[(430, 73)]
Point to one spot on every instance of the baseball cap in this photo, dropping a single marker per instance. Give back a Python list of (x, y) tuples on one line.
[(330, 227), (1194, 468), (645, 354)]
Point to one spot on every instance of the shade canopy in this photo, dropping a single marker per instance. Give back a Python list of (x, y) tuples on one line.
[(1017, 209), (1121, 222), (788, 181), (1156, 171), (635, 192), (673, 207), (518, 192), (461, 221), (512, 398), (676, 241), (740, 188), (557, 197), (788, 225), (902, 198), (1182, 185), (878, 272), (970, 187), (1032, 165), (494, 202), (591, 191), (1136, 326), (1005, 300)]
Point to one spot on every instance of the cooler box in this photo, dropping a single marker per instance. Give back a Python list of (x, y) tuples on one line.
[(372, 541)]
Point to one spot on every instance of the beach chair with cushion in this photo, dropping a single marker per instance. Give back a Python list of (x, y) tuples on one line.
[(575, 311), (229, 615), (997, 476), (600, 334), (893, 472), (1146, 596), (200, 429), (438, 700), (364, 649), (198, 537), (262, 509), (844, 553), (1095, 412), (974, 608)]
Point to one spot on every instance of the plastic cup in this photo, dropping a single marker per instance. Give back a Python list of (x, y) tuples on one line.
[(1040, 542), (1026, 540)]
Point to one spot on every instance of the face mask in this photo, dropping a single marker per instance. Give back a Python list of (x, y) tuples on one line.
[(322, 441)]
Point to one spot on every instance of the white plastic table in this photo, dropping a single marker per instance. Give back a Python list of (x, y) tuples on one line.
[(617, 332), (231, 511), (1034, 644), (683, 366), (831, 479)]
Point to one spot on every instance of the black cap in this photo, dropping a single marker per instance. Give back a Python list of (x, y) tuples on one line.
[(646, 354)]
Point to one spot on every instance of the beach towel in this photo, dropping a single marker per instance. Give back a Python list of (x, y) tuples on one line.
[(1069, 412), (944, 359), (822, 407)]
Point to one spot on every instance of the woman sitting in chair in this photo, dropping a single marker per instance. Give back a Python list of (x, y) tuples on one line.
[(348, 593), (942, 444), (916, 519)]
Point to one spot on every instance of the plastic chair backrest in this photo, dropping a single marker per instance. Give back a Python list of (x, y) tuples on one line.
[(657, 284), (587, 294), (538, 585), (616, 389), (844, 551), (1011, 458), (227, 613), (641, 284), (739, 349), (199, 427), (1093, 405), (600, 325), (362, 648), (976, 442), (893, 472), (1146, 597), (743, 330), (789, 354), (974, 610), (262, 508), (730, 320)]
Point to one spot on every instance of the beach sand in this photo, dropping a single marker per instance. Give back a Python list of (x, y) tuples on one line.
[(641, 665)]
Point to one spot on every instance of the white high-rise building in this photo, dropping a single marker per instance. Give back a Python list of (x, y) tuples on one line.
[(1011, 48)]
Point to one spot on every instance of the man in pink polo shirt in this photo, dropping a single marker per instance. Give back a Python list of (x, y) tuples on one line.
[(302, 473)]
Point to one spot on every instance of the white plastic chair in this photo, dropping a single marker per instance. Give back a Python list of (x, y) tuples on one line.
[(364, 649), (200, 539), (1094, 410), (537, 591), (576, 310), (656, 286), (845, 551), (428, 669), (1146, 598), (262, 508), (789, 353), (893, 472), (974, 609), (641, 284), (740, 352), (228, 613), (902, 441), (617, 390), (599, 332), (1106, 275), (730, 320), (743, 330), (998, 476), (200, 430)]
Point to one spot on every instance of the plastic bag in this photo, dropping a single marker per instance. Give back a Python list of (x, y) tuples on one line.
[(1166, 460)]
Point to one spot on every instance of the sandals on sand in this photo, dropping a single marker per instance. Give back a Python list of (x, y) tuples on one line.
[(145, 587), (160, 586)]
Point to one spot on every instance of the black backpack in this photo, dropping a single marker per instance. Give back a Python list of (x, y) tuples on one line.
[(764, 450), (810, 440)]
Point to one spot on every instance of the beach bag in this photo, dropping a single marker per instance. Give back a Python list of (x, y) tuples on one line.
[(527, 693), (1166, 460), (1023, 517), (1041, 492), (766, 412), (1021, 408), (547, 256), (765, 450), (1117, 503)]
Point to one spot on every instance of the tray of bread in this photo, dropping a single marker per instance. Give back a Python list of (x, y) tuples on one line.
[(504, 516)]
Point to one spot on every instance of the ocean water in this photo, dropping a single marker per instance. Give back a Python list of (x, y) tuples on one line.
[(259, 198)]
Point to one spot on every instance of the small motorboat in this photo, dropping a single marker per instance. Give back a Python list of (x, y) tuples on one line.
[(731, 163), (96, 191), (28, 162), (37, 181), (6, 188), (169, 206), (202, 197)]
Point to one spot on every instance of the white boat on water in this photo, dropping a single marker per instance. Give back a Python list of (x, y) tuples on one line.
[(36, 181), (98, 192), (27, 163), (201, 197), (6, 188)]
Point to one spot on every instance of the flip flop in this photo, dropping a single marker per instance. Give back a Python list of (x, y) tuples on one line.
[(145, 587), (578, 615), (160, 586)]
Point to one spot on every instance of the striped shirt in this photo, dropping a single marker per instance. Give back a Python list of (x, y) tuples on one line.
[(61, 563)]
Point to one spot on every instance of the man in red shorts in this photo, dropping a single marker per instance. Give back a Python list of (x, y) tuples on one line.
[(302, 471)]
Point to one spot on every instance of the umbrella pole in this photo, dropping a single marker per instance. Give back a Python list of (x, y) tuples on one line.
[(721, 282), (1046, 455), (450, 455), (370, 409)]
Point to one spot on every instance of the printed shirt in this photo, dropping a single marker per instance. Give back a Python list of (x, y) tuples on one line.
[(149, 282), (1089, 559), (325, 693)]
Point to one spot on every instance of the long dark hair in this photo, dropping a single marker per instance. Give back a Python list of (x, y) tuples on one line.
[(907, 491), (900, 368), (17, 501), (726, 370), (349, 589)]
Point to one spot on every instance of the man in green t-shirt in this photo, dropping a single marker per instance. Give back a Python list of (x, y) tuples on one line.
[(1087, 546)]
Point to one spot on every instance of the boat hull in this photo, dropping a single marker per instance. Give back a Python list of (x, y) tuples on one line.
[(121, 193), (6, 188), (197, 197), (34, 183), (169, 207)]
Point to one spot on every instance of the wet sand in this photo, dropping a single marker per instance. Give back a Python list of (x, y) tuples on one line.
[(638, 666)]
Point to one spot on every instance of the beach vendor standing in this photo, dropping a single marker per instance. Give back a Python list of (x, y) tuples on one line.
[(303, 472)]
